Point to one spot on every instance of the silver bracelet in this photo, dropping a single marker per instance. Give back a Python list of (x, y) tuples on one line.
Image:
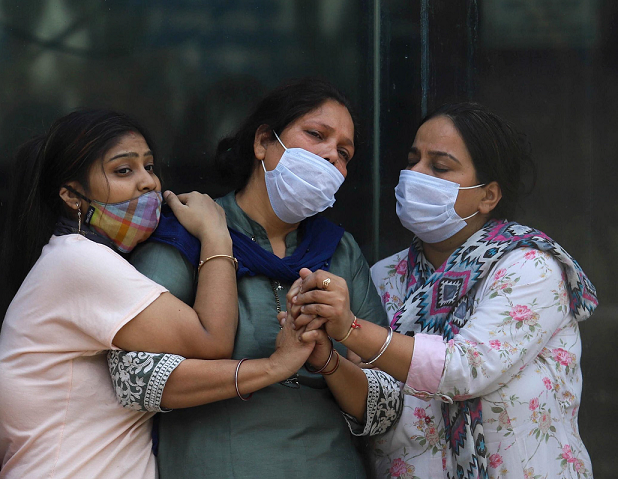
[(236, 381), (384, 346)]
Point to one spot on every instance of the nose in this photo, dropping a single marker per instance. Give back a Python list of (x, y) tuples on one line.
[(146, 181), (331, 154), (421, 167)]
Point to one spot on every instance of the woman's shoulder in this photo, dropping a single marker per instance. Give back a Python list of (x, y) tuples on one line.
[(73, 262), (527, 258), (76, 252), (348, 241), (167, 266), (525, 269), (389, 276), (396, 264)]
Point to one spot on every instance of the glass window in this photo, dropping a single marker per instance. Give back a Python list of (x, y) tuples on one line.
[(191, 70)]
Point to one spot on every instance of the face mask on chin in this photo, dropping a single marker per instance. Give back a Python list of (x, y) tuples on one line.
[(426, 206), (302, 185)]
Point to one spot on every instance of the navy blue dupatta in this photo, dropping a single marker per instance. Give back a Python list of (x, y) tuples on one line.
[(320, 238)]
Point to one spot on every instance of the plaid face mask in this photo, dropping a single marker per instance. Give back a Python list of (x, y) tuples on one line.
[(128, 222)]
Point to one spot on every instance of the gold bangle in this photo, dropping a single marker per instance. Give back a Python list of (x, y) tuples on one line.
[(204, 261), (354, 325)]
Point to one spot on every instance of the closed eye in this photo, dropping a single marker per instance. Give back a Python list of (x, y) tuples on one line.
[(345, 155), (315, 134), (412, 161)]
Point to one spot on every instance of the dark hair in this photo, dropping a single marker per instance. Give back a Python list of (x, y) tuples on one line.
[(42, 166), (499, 152), (234, 156)]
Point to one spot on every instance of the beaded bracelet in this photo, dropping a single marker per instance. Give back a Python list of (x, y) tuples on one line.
[(318, 371), (204, 261), (236, 381), (354, 325), (389, 336)]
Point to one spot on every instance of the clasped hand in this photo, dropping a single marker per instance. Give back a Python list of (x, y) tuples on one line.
[(318, 305), (320, 299)]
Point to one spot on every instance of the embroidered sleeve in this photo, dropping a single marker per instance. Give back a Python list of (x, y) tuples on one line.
[(139, 378), (384, 405), (520, 306)]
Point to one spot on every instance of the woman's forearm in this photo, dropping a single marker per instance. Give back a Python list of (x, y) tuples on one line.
[(206, 331), (348, 385), (195, 382), (216, 298), (368, 340)]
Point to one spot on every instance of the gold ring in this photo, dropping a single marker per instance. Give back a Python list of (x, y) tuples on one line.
[(325, 283)]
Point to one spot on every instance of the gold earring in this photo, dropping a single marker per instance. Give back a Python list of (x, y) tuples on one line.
[(79, 218)]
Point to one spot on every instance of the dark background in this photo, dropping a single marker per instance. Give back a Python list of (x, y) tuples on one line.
[(191, 70)]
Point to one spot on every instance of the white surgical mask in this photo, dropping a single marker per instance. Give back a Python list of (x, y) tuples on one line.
[(302, 184), (426, 206)]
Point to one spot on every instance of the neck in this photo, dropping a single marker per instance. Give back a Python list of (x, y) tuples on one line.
[(438, 253), (253, 200)]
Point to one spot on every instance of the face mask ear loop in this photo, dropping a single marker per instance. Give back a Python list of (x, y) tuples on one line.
[(79, 218), (471, 187), (74, 191), (473, 214), (279, 140)]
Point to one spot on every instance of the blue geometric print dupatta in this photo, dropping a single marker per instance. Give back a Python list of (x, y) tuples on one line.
[(440, 302)]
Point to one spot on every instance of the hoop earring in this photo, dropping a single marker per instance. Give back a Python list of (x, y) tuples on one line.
[(79, 218)]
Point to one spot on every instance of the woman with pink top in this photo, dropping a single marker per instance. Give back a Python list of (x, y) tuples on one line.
[(86, 194), (484, 314)]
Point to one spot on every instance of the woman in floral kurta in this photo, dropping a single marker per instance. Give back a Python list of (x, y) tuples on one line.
[(520, 352), (488, 355)]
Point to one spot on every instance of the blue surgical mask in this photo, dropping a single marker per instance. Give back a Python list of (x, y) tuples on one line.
[(426, 206), (302, 184)]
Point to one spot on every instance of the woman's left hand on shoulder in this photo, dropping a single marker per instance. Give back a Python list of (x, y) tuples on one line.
[(199, 214)]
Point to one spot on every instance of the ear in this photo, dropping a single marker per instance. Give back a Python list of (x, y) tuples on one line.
[(263, 136), (71, 200), (493, 194)]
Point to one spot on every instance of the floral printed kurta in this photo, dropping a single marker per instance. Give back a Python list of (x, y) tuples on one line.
[(519, 352)]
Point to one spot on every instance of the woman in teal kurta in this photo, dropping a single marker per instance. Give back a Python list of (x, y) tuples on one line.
[(288, 429)]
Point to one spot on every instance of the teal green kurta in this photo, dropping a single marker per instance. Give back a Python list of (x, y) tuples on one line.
[(280, 432)]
